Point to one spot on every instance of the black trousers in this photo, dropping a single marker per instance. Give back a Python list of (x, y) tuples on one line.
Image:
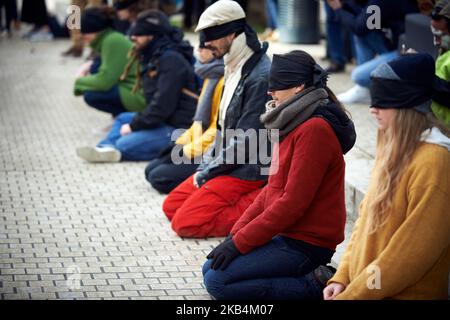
[(10, 12), (34, 12), (165, 176), (193, 9)]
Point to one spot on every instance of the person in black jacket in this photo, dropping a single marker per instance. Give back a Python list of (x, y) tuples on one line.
[(170, 87), (210, 202)]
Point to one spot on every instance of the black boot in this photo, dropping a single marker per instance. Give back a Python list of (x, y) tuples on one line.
[(335, 68), (323, 274)]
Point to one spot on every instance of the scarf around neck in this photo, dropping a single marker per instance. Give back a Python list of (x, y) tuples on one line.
[(212, 72), (293, 112), (239, 53)]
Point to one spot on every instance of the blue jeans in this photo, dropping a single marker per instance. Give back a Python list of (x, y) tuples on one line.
[(272, 14), (369, 46), (276, 271), (95, 66), (142, 145), (107, 101), (335, 39), (361, 74)]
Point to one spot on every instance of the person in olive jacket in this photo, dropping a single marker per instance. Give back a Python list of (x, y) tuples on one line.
[(105, 90), (170, 88)]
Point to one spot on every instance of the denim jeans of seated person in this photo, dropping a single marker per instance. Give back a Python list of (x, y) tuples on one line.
[(275, 271), (106, 101), (143, 145)]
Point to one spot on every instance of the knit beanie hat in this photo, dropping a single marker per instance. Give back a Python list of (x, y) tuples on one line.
[(406, 82), (151, 23), (94, 20), (294, 69), (124, 4)]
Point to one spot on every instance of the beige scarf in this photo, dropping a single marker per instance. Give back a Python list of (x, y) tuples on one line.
[(234, 61)]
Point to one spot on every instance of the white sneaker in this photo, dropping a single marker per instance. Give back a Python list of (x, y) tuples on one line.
[(41, 36), (356, 95), (99, 154)]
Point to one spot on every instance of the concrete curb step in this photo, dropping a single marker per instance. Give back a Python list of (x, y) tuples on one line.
[(358, 166)]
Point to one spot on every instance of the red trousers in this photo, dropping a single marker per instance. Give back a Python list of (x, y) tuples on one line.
[(213, 209)]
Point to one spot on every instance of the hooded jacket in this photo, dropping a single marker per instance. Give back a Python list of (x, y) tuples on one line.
[(304, 198), (113, 48), (168, 71)]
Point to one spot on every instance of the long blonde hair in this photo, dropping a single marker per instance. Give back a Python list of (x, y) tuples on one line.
[(395, 147)]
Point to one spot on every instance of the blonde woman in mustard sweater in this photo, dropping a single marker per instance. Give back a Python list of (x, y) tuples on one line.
[(399, 248)]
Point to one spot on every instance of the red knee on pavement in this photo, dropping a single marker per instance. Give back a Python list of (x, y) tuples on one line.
[(199, 215), (177, 197), (212, 210)]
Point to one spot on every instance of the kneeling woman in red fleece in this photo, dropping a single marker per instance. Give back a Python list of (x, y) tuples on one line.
[(277, 249)]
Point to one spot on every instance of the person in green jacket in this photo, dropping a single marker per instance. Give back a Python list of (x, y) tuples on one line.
[(440, 25), (104, 89)]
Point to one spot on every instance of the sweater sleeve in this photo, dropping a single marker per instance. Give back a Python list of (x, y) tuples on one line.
[(342, 274), (415, 247), (171, 80), (194, 132), (310, 162), (113, 61), (188, 135), (200, 143), (255, 209)]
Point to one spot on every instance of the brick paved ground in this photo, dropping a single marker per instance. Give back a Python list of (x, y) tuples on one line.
[(69, 229), (60, 216)]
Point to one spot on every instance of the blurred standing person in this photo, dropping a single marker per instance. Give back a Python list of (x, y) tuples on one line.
[(76, 49), (169, 7), (271, 33), (10, 15), (335, 41), (35, 13), (192, 10)]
